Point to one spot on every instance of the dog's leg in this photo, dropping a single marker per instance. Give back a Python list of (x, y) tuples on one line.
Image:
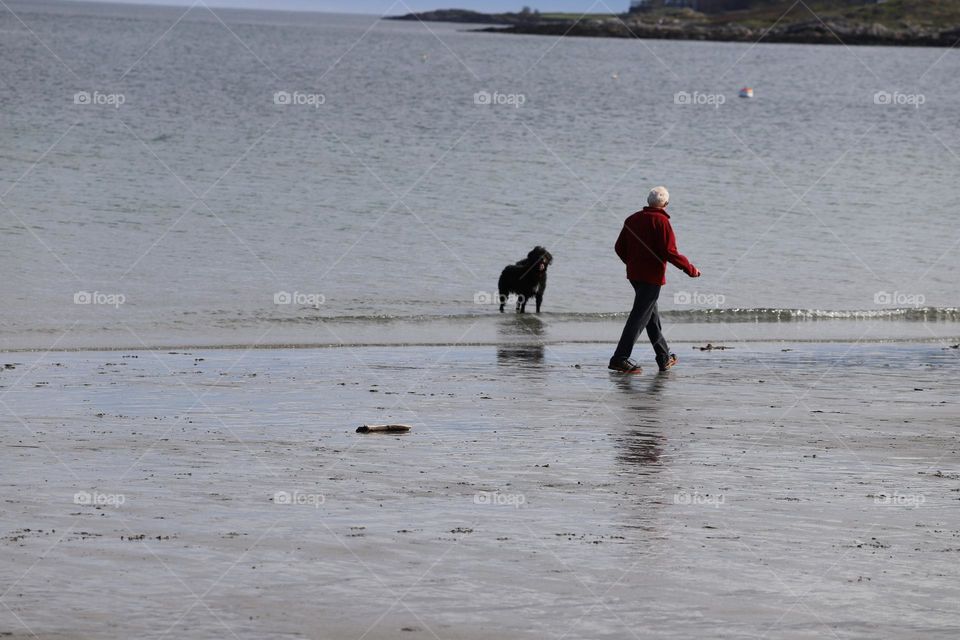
[(503, 300), (541, 287), (522, 304)]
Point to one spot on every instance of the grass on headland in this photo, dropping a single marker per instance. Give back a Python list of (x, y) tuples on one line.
[(576, 16), (893, 14)]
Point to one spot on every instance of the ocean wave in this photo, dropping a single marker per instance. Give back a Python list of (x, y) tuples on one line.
[(760, 314), (915, 314)]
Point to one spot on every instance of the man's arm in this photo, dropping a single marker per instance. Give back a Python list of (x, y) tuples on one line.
[(676, 258), (622, 247)]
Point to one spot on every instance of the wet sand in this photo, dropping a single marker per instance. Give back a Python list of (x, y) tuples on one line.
[(102, 329), (772, 490)]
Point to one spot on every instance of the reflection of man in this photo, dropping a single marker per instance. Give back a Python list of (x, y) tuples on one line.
[(645, 245)]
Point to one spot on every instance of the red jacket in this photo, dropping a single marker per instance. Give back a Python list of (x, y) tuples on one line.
[(647, 243)]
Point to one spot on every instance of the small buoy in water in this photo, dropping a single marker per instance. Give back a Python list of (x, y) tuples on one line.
[(746, 92), (384, 428), (615, 75), (423, 57)]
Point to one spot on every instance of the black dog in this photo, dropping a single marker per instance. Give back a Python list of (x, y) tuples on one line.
[(525, 278)]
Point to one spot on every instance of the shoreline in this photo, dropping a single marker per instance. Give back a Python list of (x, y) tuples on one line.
[(135, 333), (301, 346), (815, 35)]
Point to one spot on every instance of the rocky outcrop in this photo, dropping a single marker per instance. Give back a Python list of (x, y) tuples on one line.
[(835, 26), (813, 32), (475, 17), (457, 15)]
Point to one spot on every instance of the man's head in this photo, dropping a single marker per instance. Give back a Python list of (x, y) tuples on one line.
[(659, 197)]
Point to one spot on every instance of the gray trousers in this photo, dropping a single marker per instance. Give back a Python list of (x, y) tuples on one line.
[(644, 315)]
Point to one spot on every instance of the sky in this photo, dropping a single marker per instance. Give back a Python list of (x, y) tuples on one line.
[(380, 7)]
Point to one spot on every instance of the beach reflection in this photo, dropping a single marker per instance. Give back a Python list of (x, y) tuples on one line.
[(520, 354), (639, 447), (642, 444), (520, 324), (515, 330)]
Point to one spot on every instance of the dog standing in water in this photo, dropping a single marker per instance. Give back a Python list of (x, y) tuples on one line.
[(525, 278), (645, 245)]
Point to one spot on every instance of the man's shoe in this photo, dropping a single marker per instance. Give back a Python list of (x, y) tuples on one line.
[(670, 361), (625, 366)]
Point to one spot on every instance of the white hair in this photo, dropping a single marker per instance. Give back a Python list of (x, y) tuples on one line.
[(659, 197)]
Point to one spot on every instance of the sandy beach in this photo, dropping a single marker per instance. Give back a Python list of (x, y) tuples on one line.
[(771, 490), (233, 234)]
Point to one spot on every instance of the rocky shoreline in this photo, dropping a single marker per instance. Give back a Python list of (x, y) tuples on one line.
[(812, 32), (696, 26), (464, 16)]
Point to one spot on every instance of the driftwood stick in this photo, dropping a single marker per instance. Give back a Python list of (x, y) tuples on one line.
[(712, 347), (384, 428)]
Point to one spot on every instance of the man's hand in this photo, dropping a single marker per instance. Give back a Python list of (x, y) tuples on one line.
[(696, 273)]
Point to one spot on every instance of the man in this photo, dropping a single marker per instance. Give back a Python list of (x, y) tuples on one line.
[(645, 245)]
